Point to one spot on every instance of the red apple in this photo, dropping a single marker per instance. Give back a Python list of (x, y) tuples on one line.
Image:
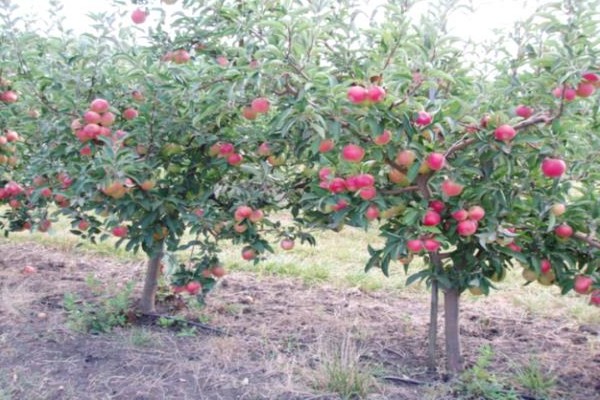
[(138, 16), (591, 77), (514, 247), (451, 188), (423, 118), (367, 193), (435, 161), (357, 94), (137, 96), (585, 89), (29, 270), (353, 153), (181, 56), (326, 145), (340, 205), (130, 113), (505, 133), (467, 227), (376, 94), (193, 287), (325, 173), (240, 228), (460, 215), (563, 231), (234, 159), (260, 105), (248, 253), (241, 213), (99, 106), (12, 136), (568, 93), (287, 244), (405, 158), (256, 216), (545, 266), (337, 185), (553, 167), (595, 298), (437, 206), (415, 245), (372, 212), (46, 192), (120, 231), (217, 271), (383, 139), (83, 225), (476, 213), (431, 218), (364, 180), (222, 61), (523, 111), (431, 245), (92, 117), (264, 149), (249, 113), (85, 151), (9, 96), (583, 284)]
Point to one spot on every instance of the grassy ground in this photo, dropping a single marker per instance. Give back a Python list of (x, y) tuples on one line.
[(305, 324)]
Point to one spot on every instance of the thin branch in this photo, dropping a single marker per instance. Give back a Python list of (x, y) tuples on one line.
[(586, 238)]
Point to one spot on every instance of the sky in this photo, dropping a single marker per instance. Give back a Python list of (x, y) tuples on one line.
[(489, 14)]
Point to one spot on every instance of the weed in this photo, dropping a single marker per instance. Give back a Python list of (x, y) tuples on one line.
[(531, 377), (479, 383), (100, 316)]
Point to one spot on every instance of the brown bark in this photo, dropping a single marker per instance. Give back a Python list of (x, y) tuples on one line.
[(148, 300), (433, 325), (454, 363)]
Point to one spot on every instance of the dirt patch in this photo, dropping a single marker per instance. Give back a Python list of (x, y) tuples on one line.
[(283, 340)]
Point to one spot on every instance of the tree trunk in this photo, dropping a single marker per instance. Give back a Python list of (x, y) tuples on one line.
[(454, 364), (148, 300), (433, 325)]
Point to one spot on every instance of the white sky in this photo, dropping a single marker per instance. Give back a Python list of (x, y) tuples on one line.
[(489, 14)]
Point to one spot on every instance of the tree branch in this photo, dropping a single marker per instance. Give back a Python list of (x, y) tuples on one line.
[(587, 239)]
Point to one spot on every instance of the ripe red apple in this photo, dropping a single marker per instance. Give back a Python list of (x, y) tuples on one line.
[(431, 218), (383, 139), (558, 209), (476, 213), (567, 93), (505, 133), (217, 271), (83, 225), (595, 298), (405, 158), (423, 118), (340, 205), (29, 270), (451, 188), (120, 231), (248, 253), (415, 245), (585, 89), (353, 153), (287, 244), (367, 193), (337, 185), (256, 216), (325, 173), (92, 117), (249, 113), (523, 111), (234, 159), (193, 287), (226, 149), (435, 161), (460, 215), (138, 16), (375, 94), (222, 61), (437, 206), (12, 136), (46, 192), (583, 284), (357, 94), (99, 106), (553, 167), (590, 77), (242, 212), (86, 151), (3, 140), (431, 245), (545, 266), (264, 149), (372, 212), (44, 225), (181, 56), (364, 180), (467, 227), (130, 113), (563, 231), (260, 105), (9, 96), (326, 145)]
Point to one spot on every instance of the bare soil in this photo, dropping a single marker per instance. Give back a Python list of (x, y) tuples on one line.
[(281, 339)]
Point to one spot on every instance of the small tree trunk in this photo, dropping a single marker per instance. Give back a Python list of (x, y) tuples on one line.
[(454, 363), (433, 324), (148, 300)]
